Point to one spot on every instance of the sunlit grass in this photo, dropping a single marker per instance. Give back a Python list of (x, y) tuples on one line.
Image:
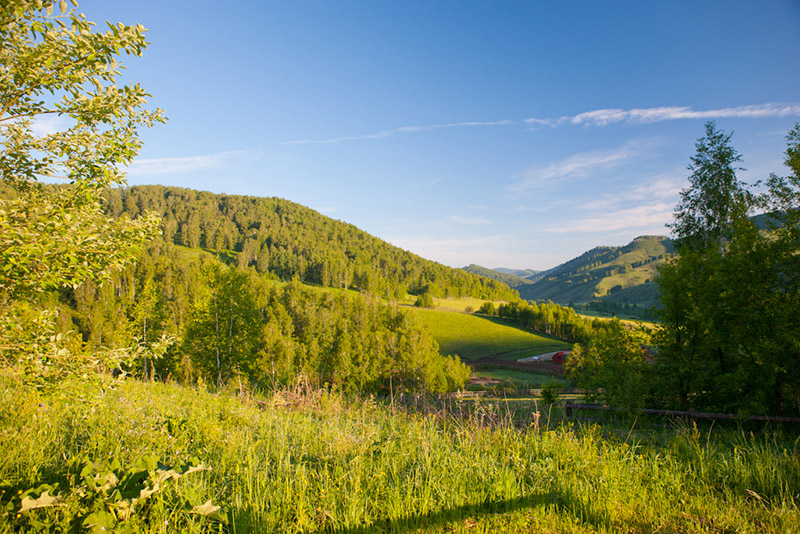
[(318, 462), (476, 336)]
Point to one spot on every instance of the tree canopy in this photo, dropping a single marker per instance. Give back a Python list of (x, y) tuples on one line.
[(715, 197), (730, 301), (66, 131), (63, 119)]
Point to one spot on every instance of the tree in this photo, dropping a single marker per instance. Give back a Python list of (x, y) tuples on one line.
[(730, 302), (63, 119), (715, 197), (613, 366), (224, 329), (66, 129)]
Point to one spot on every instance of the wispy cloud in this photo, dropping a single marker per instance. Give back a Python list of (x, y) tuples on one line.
[(660, 187), (395, 131), (576, 166), (604, 117), (646, 218), (142, 167), (598, 117)]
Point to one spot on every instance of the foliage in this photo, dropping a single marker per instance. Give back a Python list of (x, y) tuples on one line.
[(223, 331), (48, 360), (715, 199), (731, 300), (424, 301), (613, 367), (553, 319), (269, 335), (487, 308), (62, 117), (313, 461), (550, 392)]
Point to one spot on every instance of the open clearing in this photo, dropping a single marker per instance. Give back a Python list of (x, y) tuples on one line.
[(474, 337)]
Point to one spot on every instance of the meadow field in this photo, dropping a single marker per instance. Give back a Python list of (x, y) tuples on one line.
[(478, 336), (154, 457)]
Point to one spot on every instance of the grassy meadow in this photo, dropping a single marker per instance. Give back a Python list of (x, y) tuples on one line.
[(476, 336), (153, 457)]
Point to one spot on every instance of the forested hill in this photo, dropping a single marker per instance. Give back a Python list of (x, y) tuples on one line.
[(290, 241), (619, 274), (511, 280)]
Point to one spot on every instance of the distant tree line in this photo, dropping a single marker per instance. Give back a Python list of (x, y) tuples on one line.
[(547, 317)]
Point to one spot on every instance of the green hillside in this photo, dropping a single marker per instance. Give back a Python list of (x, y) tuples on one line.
[(510, 279), (290, 241), (522, 273), (475, 336), (617, 274)]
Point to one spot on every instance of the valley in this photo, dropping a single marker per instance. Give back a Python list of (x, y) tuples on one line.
[(203, 355)]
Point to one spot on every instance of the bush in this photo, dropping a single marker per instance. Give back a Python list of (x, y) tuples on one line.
[(424, 301)]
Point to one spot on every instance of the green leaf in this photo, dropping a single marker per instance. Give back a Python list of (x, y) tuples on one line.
[(100, 520), (211, 511), (44, 500)]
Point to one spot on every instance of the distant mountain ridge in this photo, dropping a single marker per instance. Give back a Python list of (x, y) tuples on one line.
[(510, 279), (617, 274), (621, 275), (522, 273)]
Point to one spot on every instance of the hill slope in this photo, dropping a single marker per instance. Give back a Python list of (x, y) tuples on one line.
[(287, 240), (618, 274), (511, 280), (522, 273)]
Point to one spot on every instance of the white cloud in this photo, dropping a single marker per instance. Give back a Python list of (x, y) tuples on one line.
[(604, 117), (576, 166), (660, 187), (649, 218), (44, 125), (598, 117), (395, 131), (143, 167)]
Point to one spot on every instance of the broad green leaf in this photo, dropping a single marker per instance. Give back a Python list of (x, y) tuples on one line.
[(211, 511), (100, 521), (44, 500)]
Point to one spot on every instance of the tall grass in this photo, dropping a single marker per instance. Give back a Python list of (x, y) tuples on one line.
[(311, 461)]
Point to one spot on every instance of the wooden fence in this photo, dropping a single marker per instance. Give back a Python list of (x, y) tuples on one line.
[(569, 408)]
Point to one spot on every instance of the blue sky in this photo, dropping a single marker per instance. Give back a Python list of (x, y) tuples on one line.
[(513, 134)]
